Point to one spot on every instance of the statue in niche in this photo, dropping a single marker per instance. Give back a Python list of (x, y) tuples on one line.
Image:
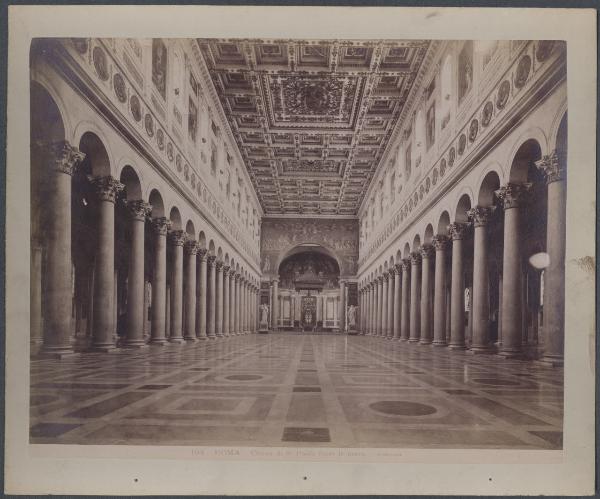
[(351, 317), (264, 315), (266, 264)]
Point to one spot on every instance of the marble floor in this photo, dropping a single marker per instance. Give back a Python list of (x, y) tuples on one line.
[(297, 390)]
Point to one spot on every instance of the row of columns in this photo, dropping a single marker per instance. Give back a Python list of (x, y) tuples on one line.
[(398, 304), (207, 298)]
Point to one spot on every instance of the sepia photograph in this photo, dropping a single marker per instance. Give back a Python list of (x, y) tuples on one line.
[(350, 247)]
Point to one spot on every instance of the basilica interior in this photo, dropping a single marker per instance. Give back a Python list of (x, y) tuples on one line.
[(344, 243)]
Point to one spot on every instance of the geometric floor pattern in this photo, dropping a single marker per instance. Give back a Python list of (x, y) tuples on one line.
[(297, 390)]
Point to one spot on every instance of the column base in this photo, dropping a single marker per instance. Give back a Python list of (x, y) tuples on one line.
[(190, 339), (551, 361), (135, 344), (158, 341), (176, 341), (212, 337), (511, 354), (438, 343), (413, 340), (201, 338), (481, 350), (103, 348), (425, 342), (457, 346), (56, 353)]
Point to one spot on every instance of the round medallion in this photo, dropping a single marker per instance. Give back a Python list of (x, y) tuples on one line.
[(186, 172), (503, 93), (421, 192), (462, 143), (434, 177), (160, 139), (442, 167), (486, 115), (80, 44), (193, 181), (544, 49), (170, 151), (178, 163), (136, 110), (522, 72), (451, 157), (402, 408), (149, 124), (416, 198), (410, 205), (99, 58), (427, 184), (473, 129), (119, 84)]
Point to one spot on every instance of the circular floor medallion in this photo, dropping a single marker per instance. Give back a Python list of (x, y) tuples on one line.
[(243, 377), (495, 382), (402, 408)]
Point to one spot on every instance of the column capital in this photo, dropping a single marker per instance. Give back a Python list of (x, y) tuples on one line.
[(177, 237), (415, 257), (226, 269), (237, 276), (202, 254), (427, 251), (553, 167), (211, 260), (191, 247), (385, 277), (398, 269), (440, 242), (218, 265), (63, 157), (481, 215), (513, 195), (161, 225), (458, 230), (139, 209), (406, 264), (392, 271), (231, 273), (107, 188), (275, 281)]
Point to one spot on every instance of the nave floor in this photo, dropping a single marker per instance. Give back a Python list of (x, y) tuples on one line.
[(297, 390)]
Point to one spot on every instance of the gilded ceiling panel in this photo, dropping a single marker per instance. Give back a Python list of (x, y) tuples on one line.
[(312, 118)]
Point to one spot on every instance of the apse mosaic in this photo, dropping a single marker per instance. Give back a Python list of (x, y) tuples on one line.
[(313, 119)]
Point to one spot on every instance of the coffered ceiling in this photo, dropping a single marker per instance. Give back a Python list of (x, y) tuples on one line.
[(312, 119)]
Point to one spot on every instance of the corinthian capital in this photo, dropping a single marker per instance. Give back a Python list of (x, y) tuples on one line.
[(406, 264), (107, 188), (480, 215), (177, 237), (427, 251), (139, 209), (440, 242), (513, 195), (458, 230), (161, 225), (61, 156), (191, 247), (211, 260), (415, 257), (553, 167)]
